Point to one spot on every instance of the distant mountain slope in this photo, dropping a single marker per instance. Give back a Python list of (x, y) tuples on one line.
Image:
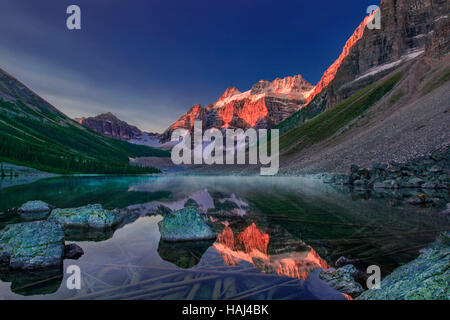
[(110, 126), (36, 134)]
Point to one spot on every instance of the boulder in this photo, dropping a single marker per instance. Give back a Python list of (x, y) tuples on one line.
[(185, 225), (90, 217), (343, 261), (425, 278), (34, 207), (343, 279), (73, 251), (32, 245), (390, 184), (380, 166)]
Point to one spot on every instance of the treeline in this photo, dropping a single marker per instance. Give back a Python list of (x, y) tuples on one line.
[(27, 154)]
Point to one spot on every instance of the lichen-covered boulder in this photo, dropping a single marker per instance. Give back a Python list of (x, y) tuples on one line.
[(185, 225), (89, 217), (34, 206), (343, 279), (32, 245), (425, 278)]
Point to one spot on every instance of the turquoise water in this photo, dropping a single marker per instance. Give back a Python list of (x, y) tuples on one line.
[(282, 231)]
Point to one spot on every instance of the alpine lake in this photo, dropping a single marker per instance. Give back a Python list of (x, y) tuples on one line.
[(275, 234)]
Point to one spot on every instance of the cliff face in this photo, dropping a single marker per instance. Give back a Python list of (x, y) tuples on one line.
[(408, 29), (263, 106), (110, 126)]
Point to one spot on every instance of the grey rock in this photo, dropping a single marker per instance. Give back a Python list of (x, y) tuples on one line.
[(343, 280), (34, 206), (90, 216), (73, 251), (390, 184), (185, 225), (32, 245), (343, 261)]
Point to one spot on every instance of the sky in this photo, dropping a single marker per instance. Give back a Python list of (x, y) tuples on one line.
[(149, 61)]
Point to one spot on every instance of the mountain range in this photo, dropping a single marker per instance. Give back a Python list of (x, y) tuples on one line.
[(372, 104)]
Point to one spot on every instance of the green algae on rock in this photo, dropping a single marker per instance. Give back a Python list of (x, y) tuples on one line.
[(185, 225), (90, 216), (425, 278), (32, 245)]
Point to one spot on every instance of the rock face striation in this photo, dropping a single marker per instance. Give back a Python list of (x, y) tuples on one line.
[(263, 106), (109, 125), (409, 29)]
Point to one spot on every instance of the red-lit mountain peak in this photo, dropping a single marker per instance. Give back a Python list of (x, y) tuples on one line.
[(330, 73)]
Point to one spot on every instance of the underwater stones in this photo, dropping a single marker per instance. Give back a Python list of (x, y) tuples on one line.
[(90, 217), (34, 206), (183, 254), (73, 251), (419, 199), (32, 245), (425, 278), (185, 225), (343, 279)]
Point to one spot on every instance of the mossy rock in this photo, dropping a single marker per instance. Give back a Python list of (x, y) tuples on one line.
[(185, 225), (425, 278), (32, 245), (90, 216)]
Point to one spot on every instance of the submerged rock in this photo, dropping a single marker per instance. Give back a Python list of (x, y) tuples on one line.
[(183, 254), (90, 216), (73, 251), (419, 199), (343, 280), (185, 225), (32, 245), (34, 207), (425, 278)]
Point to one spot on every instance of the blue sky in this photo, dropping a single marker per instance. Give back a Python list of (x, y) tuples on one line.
[(149, 61)]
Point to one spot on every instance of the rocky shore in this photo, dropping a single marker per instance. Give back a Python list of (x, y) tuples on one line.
[(425, 180)]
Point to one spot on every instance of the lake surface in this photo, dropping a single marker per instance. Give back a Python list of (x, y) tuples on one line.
[(275, 234)]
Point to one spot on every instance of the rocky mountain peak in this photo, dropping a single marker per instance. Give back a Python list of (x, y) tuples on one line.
[(230, 92)]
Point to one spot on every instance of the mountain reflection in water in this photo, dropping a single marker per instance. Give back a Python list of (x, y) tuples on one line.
[(274, 236), (251, 245)]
